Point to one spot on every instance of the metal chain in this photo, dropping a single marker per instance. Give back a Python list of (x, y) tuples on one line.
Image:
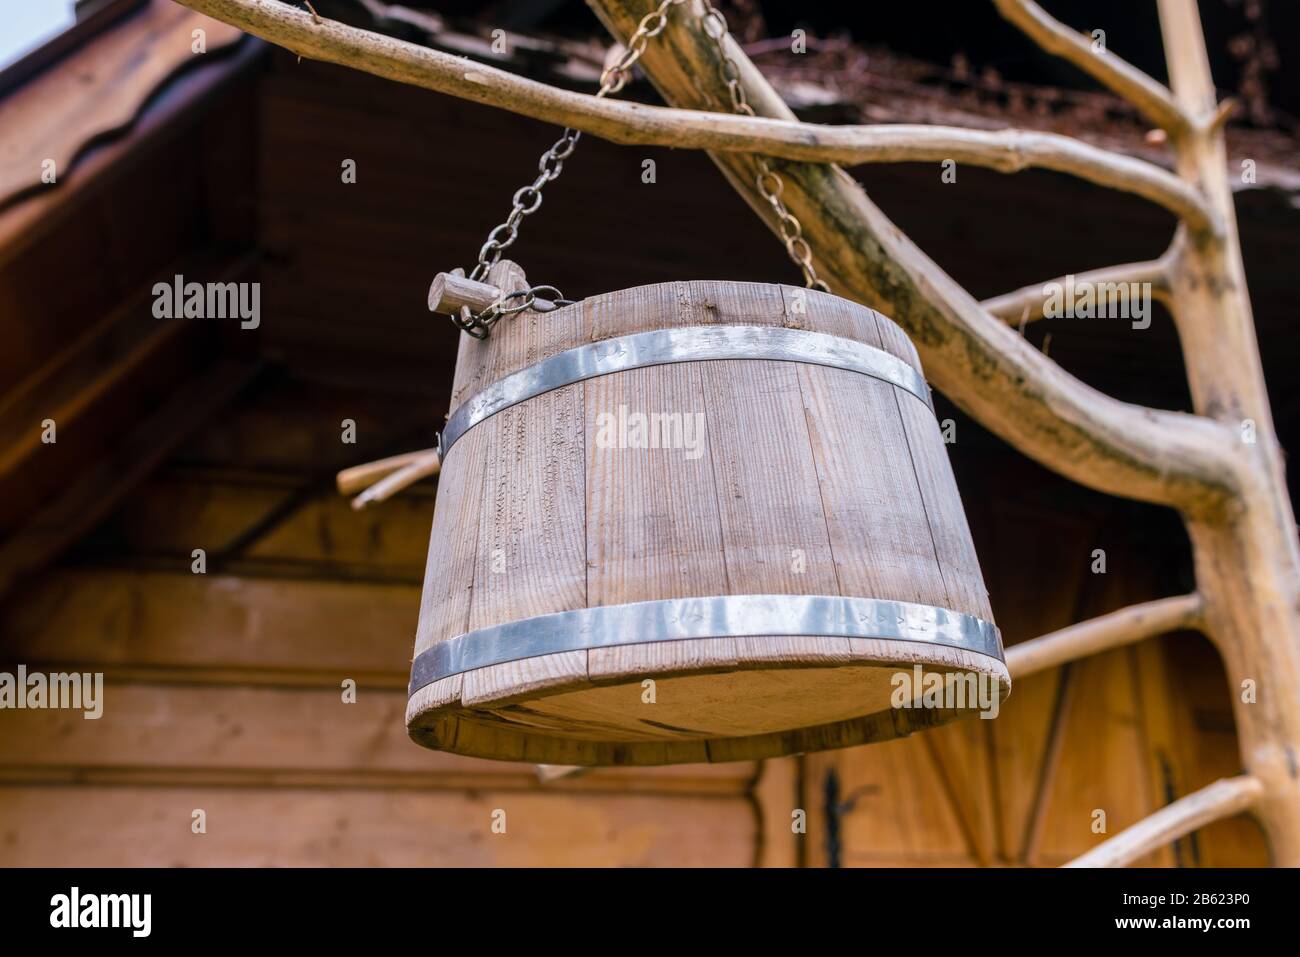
[(769, 183), (528, 199)]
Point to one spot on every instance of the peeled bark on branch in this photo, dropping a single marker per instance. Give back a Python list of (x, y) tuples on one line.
[(1027, 304), (1123, 627), (360, 477), (422, 465), (1223, 798)]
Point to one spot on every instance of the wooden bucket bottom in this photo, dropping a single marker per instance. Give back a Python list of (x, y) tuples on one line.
[(811, 694)]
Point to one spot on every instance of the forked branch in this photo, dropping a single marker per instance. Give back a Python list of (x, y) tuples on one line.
[(380, 480), (1153, 100)]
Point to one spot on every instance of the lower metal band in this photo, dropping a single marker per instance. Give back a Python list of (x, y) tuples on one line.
[(724, 616), (682, 344)]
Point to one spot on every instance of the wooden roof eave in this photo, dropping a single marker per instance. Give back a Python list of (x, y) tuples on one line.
[(102, 103)]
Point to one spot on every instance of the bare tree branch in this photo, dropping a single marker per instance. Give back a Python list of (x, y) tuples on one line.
[(421, 466), (358, 478), (1006, 151), (1154, 100), (1223, 798), (1027, 303), (1123, 627), (986, 368)]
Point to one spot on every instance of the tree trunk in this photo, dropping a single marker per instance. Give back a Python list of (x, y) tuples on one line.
[(1247, 557)]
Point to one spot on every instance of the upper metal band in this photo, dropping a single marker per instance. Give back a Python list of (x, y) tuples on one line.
[(724, 616), (683, 344)]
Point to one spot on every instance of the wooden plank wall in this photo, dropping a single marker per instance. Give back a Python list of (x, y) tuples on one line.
[(224, 690)]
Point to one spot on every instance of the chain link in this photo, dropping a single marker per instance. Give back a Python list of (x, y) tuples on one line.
[(769, 182), (528, 199)]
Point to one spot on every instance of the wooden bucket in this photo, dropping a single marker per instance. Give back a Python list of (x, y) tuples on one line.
[(767, 581)]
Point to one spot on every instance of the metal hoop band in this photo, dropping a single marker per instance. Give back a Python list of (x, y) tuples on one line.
[(683, 344), (679, 619)]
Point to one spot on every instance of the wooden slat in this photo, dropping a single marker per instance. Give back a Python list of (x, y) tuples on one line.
[(97, 387), (448, 585), (881, 541), (214, 627), (1056, 544), (775, 539), (653, 528), (174, 735), (93, 494), (943, 508), (960, 754), (754, 415), (97, 89), (106, 826), (1196, 745), (892, 804), (774, 533), (895, 341), (172, 513), (1100, 732), (1166, 768), (532, 557), (777, 794)]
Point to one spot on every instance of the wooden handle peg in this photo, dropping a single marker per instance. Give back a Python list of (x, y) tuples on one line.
[(452, 291)]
